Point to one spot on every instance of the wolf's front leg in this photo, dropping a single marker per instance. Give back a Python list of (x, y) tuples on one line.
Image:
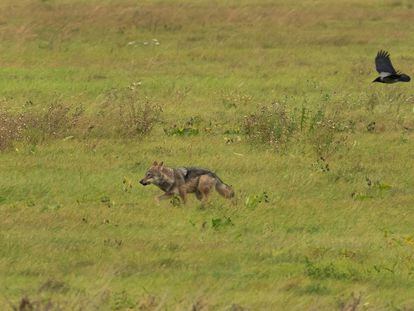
[(163, 197), (183, 194)]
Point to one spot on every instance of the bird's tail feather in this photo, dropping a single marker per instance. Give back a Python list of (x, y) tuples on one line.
[(404, 78)]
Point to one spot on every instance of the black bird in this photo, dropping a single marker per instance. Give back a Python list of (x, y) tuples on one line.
[(387, 71)]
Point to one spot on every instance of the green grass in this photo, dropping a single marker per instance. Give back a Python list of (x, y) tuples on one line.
[(79, 232)]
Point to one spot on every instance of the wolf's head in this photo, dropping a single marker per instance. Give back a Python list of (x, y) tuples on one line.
[(154, 174)]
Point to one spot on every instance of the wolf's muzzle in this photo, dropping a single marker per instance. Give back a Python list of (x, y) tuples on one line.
[(143, 182)]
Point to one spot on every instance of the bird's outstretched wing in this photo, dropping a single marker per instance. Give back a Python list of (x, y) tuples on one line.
[(383, 63)]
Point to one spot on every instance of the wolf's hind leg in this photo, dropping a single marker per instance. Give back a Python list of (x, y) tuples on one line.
[(205, 191), (199, 195), (205, 185)]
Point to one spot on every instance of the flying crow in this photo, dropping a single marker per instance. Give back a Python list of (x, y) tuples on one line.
[(386, 70)]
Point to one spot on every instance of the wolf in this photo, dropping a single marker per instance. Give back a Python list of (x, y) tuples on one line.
[(183, 180)]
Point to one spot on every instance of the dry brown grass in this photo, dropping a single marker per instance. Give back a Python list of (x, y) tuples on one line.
[(29, 20), (11, 128)]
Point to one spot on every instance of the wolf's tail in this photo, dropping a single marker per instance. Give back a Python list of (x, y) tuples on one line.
[(225, 190)]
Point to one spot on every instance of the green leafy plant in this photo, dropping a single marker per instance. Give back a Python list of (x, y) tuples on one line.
[(252, 202), (217, 223), (191, 127)]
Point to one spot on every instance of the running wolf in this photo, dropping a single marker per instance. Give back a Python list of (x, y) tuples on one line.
[(185, 180)]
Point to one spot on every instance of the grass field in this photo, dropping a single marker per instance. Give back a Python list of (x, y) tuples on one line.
[(274, 96)]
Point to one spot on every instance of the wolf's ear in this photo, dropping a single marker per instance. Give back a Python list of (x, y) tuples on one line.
[(155, 163), (161, 164)]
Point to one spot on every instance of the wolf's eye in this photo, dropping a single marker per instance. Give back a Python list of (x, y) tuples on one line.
[(149, 174)]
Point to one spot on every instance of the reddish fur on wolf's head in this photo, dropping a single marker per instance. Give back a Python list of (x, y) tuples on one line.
[(152, 174)]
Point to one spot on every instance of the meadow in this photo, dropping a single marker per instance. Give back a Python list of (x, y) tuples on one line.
[(274, 96)]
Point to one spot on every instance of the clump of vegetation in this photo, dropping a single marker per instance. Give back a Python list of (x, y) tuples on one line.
[(57, 120), (272, 125), (325, 134), (191, 127), (11, 128), (278, 127), (217, 223), (127, 113), (124, 113), (252, 202)]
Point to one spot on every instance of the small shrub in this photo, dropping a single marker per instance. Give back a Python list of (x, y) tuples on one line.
[(278, 128), (34, 126), (58, 120), (272, 126), (128, 113), (11, 128), (325, 137)]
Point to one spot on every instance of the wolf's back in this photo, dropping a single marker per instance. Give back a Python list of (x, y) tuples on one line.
[(195, 172)]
